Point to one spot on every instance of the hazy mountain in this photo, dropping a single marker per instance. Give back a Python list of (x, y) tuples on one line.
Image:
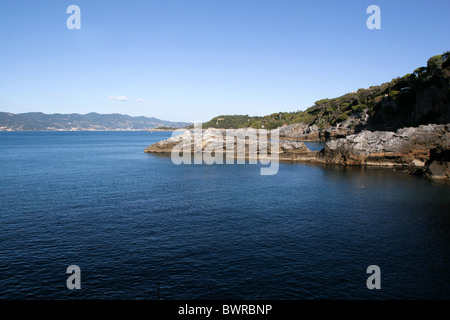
[(38, 121)]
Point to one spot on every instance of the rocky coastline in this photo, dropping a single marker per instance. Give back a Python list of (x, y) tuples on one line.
[(302, 132), (423, 150)]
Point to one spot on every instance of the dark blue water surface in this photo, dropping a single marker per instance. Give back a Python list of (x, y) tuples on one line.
[(131, 220)]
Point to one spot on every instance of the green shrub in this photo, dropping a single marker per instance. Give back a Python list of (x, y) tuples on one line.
[(393, 93)]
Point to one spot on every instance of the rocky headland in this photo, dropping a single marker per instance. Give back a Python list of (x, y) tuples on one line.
[(402, 123), (423, 150), (216, 139)]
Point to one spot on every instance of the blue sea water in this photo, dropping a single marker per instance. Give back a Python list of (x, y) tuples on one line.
[(131, 220)]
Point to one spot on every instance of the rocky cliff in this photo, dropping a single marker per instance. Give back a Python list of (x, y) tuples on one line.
[(303, 132), (423, 149)]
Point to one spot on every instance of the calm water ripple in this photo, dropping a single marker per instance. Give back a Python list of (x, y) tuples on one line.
[(131, 220)]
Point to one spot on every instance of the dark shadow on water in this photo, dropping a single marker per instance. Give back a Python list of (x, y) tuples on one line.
[(339, 171)]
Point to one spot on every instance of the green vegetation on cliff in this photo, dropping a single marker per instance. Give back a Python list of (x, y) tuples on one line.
[(417, 98)]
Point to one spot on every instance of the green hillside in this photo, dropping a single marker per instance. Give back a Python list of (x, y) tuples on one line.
[(417, 98)]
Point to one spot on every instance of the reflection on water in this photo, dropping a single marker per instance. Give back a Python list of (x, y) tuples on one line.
[(314, 146)]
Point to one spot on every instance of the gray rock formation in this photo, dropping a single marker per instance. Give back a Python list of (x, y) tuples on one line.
[(424, 150), (302, 132), (438, 166), (216, 139), (411, 147)]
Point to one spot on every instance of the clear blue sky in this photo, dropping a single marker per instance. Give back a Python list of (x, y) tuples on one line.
[(191, 60)]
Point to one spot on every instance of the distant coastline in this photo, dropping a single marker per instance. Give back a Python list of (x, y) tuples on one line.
[(38, 121), (92, 130)]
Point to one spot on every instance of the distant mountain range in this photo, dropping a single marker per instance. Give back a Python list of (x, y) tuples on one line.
[(38, 121)]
